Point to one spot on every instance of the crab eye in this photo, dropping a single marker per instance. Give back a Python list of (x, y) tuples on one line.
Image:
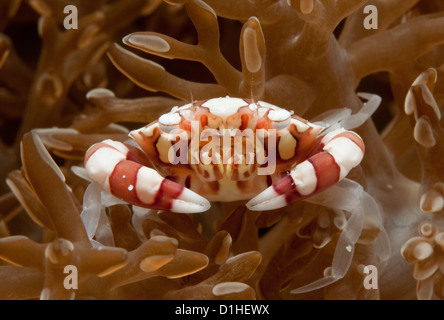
[(187, 114), (280, 118), (169, 121), (252, 106)]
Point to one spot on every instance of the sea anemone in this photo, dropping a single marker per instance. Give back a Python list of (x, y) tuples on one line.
[(64, 89)]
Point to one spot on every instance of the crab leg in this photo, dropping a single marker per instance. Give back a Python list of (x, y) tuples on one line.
[(120, 170), (340, 151)]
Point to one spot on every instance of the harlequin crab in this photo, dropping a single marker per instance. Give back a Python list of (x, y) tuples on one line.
[(308, 158)]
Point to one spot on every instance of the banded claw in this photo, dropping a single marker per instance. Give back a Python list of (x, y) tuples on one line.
[(122, 170), (341, 151)]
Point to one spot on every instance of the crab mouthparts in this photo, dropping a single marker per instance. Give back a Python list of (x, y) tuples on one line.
[(234, 153)]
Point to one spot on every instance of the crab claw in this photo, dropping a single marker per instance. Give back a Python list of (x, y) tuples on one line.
[(120, 171), (340, 151)]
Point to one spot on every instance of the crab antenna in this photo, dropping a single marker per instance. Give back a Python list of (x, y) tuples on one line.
[(252, 97), (251, 90), (191, 96)]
